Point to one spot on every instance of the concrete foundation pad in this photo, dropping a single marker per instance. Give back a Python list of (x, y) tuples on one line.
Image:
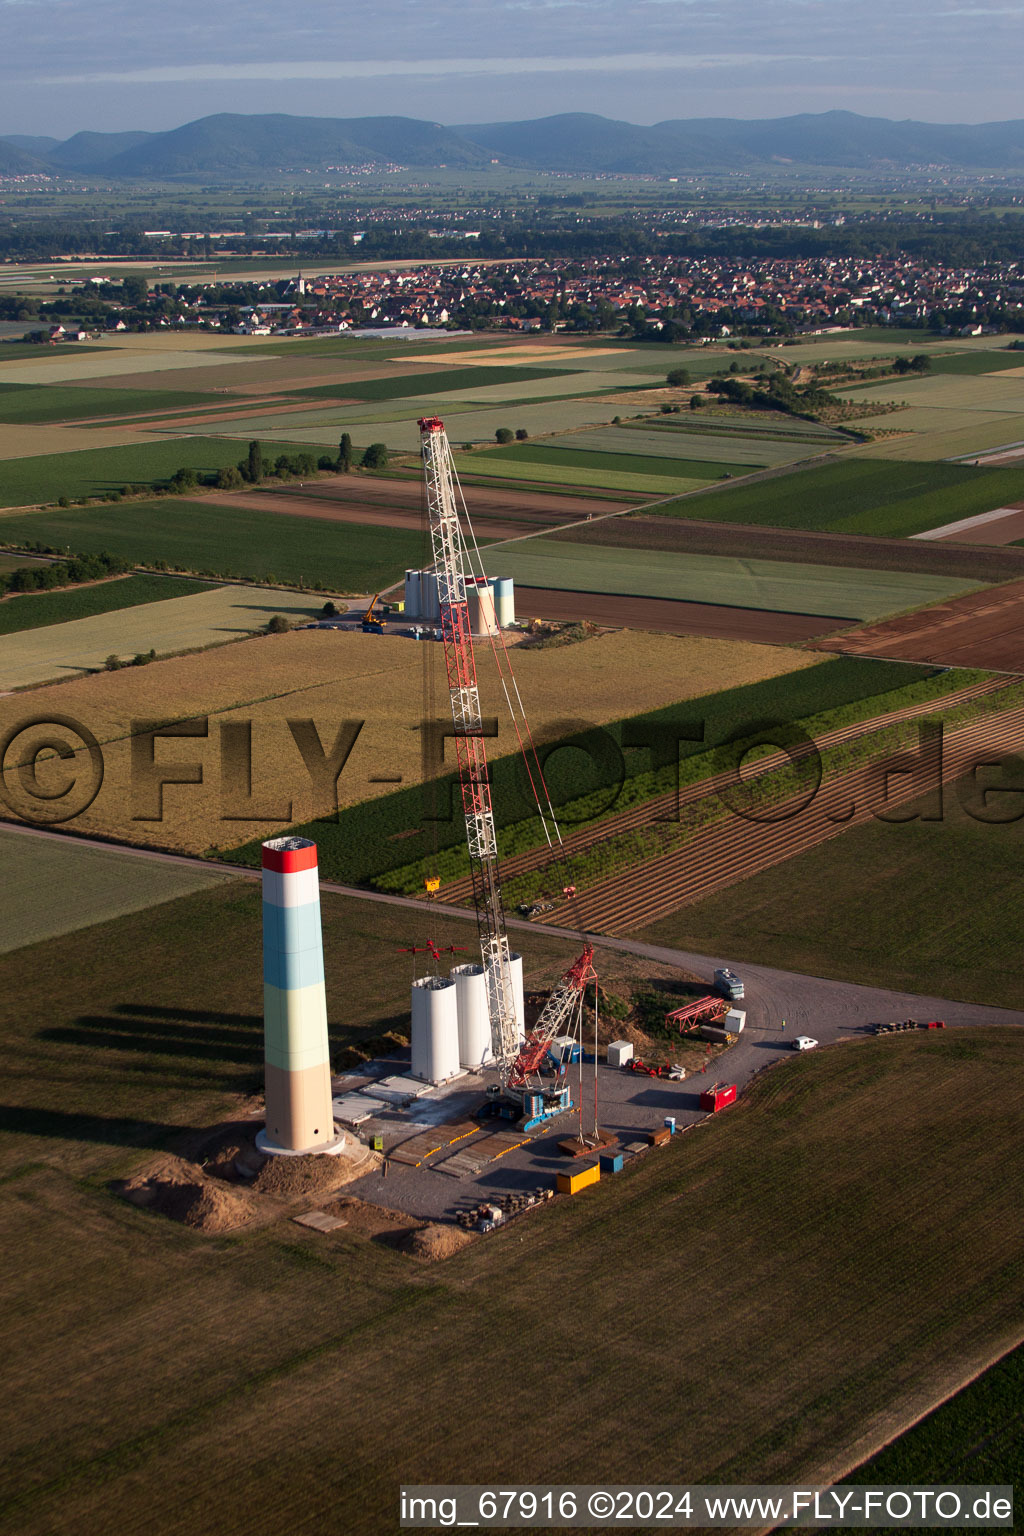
[(341, 1143)]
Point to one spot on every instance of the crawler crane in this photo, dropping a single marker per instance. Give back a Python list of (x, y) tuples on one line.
[(520, 1094)]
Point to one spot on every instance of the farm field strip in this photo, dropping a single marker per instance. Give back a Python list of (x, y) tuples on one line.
[(665, 807), (989, 433), (51, 888), (983, 629), (775, 585), (861, 495), (36, 610), (738, 847), (330, 677), (102, 365), (725, 448), (569, 450), (995, 392), (34, 656), (642, 486), (671, 616)]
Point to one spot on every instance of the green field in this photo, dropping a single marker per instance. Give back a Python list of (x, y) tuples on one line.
[(337, 1342), (162, 623), (973, 1439), (33, 610), (227, 541), (53, 887), (98, 471), (862, 495), (644, 465), (651, 485), (960, 907), (439, 381), (14, 351), (49, 402), (776, 585), (977, 362), (365, 843)]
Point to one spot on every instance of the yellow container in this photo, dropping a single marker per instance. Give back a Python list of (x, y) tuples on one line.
[(572, 1183)]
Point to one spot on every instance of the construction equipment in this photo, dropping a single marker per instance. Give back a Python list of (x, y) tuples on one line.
[(636, 1065), (370, 625), (519, 1093), (703, 1010)]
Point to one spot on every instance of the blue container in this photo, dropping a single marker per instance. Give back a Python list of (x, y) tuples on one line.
[(611, 1162), (670, 1121)]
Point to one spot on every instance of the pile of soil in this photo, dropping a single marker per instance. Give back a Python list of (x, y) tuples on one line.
[(182, 1191), (435, 1241), (373, 1221), (288, 1178)]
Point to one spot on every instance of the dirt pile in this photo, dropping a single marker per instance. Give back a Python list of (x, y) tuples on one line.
[(182, 1191), (288, 1178), (435, 1241)]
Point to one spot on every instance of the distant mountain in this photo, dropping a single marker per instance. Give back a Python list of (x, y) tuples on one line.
[(31, 143), (262, 145), (15, 161), (231, 142), (580, 142), (94, 151)]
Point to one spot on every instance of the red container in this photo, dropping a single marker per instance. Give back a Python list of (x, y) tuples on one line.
[(718, 1096), (936, 1024)]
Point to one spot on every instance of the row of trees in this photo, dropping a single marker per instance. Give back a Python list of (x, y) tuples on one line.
[(61, 573)]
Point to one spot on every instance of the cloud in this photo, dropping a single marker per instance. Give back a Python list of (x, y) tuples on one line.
[(363, 69)]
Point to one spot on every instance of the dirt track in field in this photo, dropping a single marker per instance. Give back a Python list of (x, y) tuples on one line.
[(737, 847), (671, 617), (1000, 531), (981, 629)]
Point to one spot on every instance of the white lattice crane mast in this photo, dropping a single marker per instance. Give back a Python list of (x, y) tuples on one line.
[(471, 756), (518, 1063)]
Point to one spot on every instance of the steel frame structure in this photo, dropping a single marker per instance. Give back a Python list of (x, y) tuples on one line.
[(516, 1064)]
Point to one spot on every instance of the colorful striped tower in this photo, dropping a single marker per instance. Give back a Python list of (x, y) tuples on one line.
[(299, 1113)]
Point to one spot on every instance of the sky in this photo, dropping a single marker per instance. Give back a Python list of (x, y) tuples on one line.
[(107, 65)]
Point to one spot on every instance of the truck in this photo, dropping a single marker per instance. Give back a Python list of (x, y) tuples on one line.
[(729, 984)]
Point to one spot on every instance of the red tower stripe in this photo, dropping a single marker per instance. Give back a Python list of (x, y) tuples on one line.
[(289, 861)]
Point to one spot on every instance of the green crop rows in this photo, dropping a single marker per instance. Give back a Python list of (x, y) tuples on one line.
[(35, 610), (866, 496)]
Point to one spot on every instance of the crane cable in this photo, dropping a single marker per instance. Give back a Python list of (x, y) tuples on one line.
[(561, 853)]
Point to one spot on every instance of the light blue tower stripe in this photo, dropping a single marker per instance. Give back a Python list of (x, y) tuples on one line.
[(291, 929), (293, 969)]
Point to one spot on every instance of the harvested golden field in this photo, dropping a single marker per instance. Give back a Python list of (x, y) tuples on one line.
[(328, 678), (20, 441)]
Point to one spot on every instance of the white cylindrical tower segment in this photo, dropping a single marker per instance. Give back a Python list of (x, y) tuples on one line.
[(474, 1023), (504, 601), (516, 962), (435, 1029), (412, 594), (298, 1070)]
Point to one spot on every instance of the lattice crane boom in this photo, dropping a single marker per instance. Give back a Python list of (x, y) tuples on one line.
[(517, 1062)]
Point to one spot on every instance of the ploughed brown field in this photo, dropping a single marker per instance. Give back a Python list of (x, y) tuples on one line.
[(496, 511), (670, 617), (932, 557), (981, 629)]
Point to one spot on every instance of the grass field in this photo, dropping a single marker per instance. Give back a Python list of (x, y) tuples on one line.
[(51, 888), (212, 1340), (776, 585), (330, 678), (167, 625), (221, 540), (570, 451), (726, 451), (862, 496), (413, 384), (960, 907), (649, 485), (43, 402), (978, 362), (34, 610), (972, 1439), (95, 472)]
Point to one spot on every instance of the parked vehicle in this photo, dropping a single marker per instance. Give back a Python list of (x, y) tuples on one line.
[(729, 984), (804, 1043)]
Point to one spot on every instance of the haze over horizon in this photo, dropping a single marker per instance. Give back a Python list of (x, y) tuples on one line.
[(65, 67)]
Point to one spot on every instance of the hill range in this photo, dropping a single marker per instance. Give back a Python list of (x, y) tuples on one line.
[(240, 144)]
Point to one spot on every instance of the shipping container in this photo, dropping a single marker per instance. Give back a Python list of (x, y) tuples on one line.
[(619, 1053), (572, 1183), (611, 1162), (718, 1096)]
